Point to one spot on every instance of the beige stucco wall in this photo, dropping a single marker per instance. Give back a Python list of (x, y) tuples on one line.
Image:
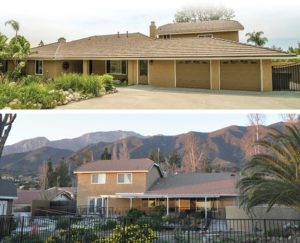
[(267, 75), (192, 74), (132, 72), (232, 35), (152, 177), (162, 73), (85, 189), (240, 76), (98, 67), (215, 74)]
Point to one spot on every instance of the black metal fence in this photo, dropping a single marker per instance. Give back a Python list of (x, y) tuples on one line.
[(286, 77), (145, 229)]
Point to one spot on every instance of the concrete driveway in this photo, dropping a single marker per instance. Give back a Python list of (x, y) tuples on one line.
[(149, 97)]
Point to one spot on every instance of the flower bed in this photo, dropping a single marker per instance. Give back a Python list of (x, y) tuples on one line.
[(32, 92)]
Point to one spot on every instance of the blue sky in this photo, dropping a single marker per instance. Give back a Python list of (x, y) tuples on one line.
[(48, 20), (57, 125)]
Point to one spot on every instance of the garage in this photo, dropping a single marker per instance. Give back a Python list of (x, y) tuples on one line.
[(193, 74), (240, 75)]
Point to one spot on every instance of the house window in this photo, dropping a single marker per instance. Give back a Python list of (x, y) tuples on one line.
[(116, 67), (125, 178), (3, 207), (98, 178), (167, 37), (38, 67)]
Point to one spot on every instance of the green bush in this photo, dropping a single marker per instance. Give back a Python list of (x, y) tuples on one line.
[(109, 225), (31, 79), (37, 95), (63, 223), (8, 92), (133, 215), (77, 235), (25, 238), (85, 84), (107, 81), (131, 234)]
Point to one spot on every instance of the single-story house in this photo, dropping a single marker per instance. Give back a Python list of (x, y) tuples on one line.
[(204, 55), (33, 200), (8, 193), (114, 186)]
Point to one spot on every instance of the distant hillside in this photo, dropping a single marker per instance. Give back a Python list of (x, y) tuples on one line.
[(226, 148), (73, 144), (29, 163)]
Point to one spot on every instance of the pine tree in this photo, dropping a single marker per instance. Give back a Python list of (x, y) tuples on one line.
[(106, 155), (62, 174)]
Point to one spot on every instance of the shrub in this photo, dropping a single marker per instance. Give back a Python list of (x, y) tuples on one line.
[(107, 81), (86, 84), (31, 79), (37, 95), (77, 235), (131, 234), (133, 215), (109, 225), (63, 223), (8, 92), (24, 238)]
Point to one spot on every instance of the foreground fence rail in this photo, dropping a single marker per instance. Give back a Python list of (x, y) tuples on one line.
[(146, 229)]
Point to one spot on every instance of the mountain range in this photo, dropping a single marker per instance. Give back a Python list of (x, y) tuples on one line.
[(226, 148)]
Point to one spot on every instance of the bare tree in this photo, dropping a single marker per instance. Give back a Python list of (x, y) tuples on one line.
[(43, 176), (256, 120), (193, 155), (114, 153), (290, 118), (6, 122), (123, 149)]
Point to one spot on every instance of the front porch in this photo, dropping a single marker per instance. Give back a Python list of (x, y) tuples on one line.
[(110, 206)]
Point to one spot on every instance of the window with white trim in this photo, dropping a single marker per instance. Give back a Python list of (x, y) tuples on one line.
[(124, 178), (98, 178), (116, 67), (38, 67)]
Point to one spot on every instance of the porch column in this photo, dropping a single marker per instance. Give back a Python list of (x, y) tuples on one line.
[(85, 67), (107, 208), (167, 206), (175, 74), (137, 72), (215, 75), (130, 205), (205, 208), (266, 75)]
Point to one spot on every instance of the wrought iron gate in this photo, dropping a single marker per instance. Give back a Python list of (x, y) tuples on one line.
[(286, 77)]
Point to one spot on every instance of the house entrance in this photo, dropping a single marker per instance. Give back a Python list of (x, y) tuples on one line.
[(98, 205), (143, 72)]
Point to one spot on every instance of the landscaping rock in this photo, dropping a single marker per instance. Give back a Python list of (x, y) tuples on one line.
[(102, 91), (70, 91), (14, 102)]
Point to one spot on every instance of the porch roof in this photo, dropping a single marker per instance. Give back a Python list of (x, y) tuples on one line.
[(138, 46), (8, 190)]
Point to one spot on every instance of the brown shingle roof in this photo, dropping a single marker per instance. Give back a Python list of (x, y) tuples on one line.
[(117, 165), (138, 46), (196, 184), (7, 189), (200, 27)]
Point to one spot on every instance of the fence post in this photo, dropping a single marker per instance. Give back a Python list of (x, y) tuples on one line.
[(69, 231), (22, 226), (188, 225), (265, 231)]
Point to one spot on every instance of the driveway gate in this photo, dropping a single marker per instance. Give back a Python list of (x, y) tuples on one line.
[(286, 77)]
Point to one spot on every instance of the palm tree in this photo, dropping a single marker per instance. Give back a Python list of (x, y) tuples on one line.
[(257, 38), (14, 24), (273, 177)]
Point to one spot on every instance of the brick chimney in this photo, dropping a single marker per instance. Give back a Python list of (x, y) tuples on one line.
[(61, 40), (153, 30)]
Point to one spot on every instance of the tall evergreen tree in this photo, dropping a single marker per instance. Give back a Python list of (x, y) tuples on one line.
[(106, 155), (62, 174)]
